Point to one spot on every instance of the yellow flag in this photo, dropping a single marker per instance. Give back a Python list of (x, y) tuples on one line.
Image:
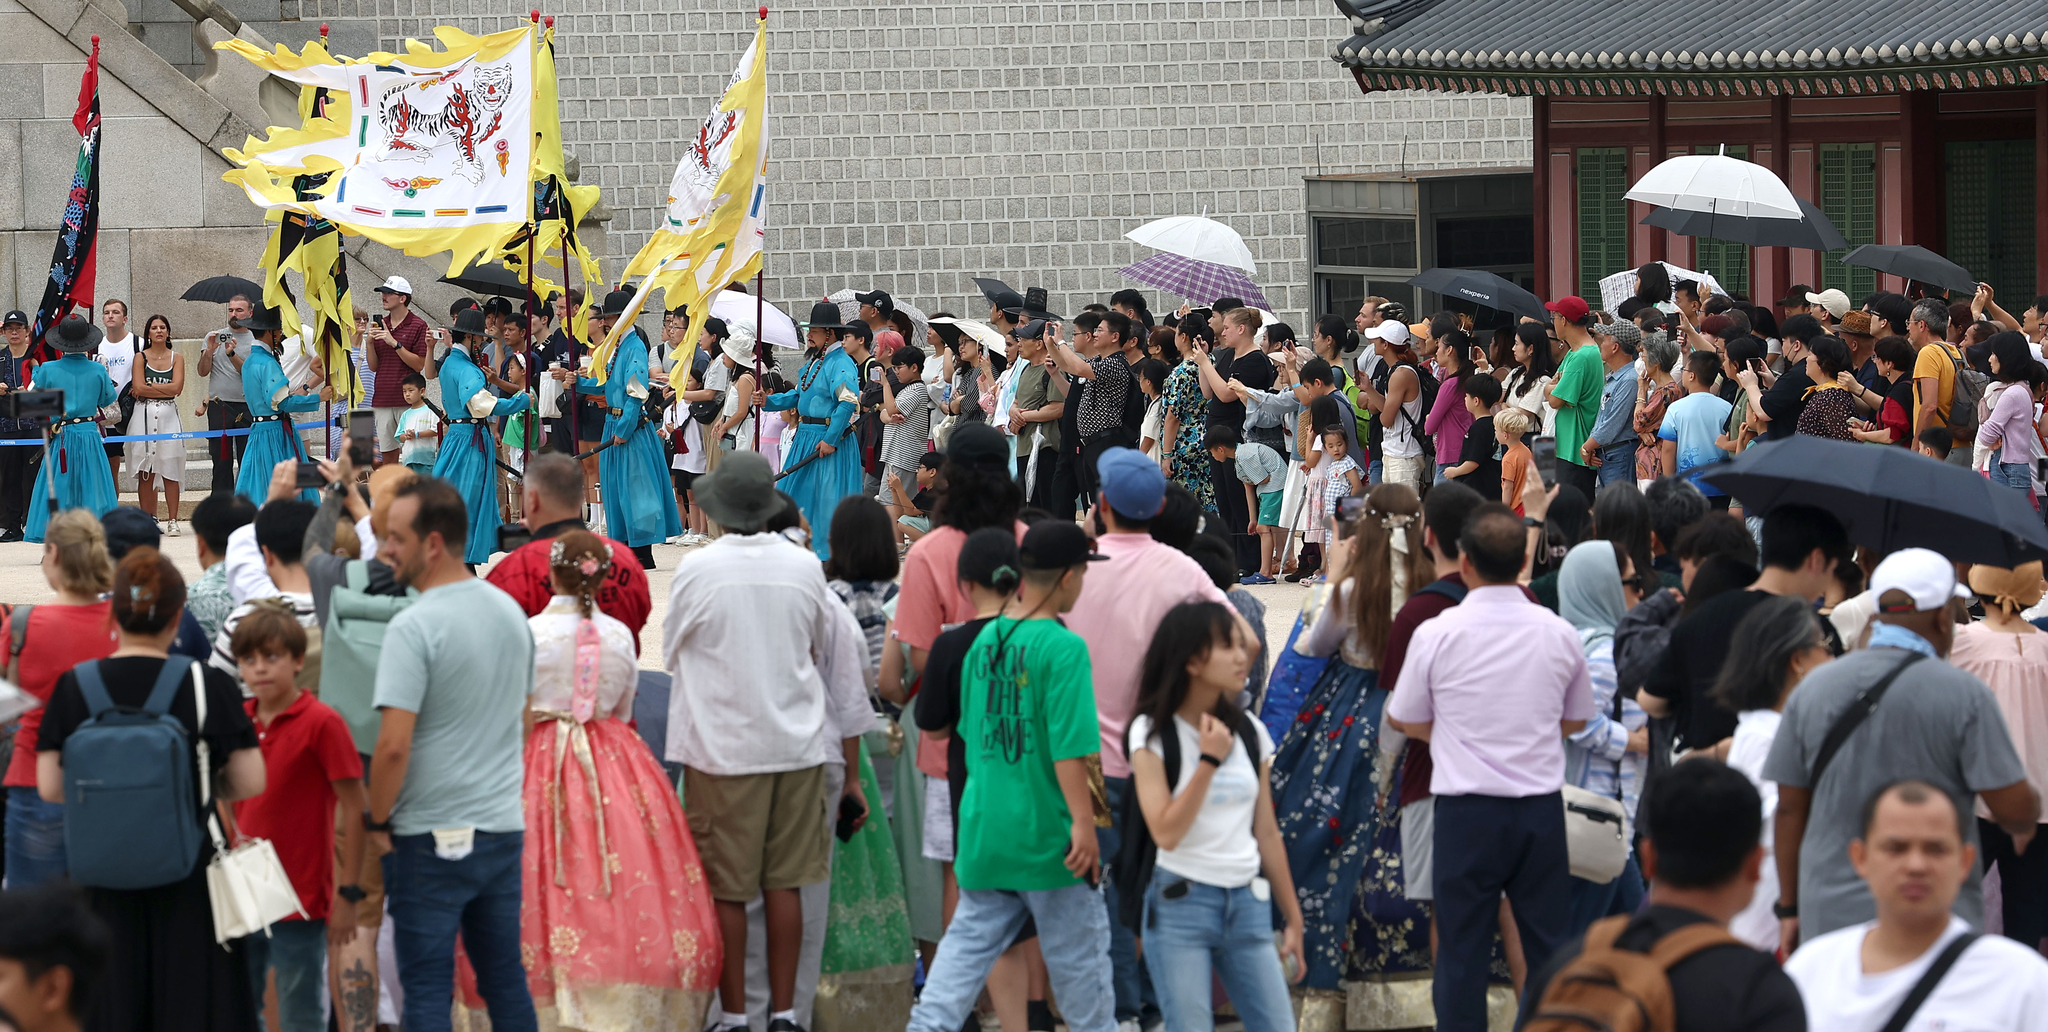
[(712, 232), (558, 206)]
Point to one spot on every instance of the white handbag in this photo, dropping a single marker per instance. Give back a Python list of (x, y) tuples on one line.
[(1596, 835), (247, 884), (550, 404)]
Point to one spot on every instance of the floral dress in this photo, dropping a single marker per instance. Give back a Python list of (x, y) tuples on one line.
[(1650, 417), (1189, 462)]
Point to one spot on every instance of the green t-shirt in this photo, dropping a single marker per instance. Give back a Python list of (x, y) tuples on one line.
[(1579, 382), (1018, 716)]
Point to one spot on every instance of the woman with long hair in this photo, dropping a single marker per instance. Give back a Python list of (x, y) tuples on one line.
[(1774, 645), (1340, 845), (157, 384), (1334, 338), (57, 635), (1528, 385), (2006, 442), (1448, 418), (1569, 521), (166, 973), (1183, 451), (616, 922), (1596, 587), (1212, 820), (865, 971)]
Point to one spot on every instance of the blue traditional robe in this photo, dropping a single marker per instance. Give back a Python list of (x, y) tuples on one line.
[(77, 460), (827, 390), (639, 498), (469, 451), (269, 393)]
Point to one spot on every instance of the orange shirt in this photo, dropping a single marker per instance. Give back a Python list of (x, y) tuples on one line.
[(1514, 475)]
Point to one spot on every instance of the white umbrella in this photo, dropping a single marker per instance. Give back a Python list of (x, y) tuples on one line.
[(990, 337), (1717, 183), (849, 310), (1192, 236), (737, 309)]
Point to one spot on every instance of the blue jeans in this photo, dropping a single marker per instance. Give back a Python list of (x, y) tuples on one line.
[(35, 839), (430, 899), (1617, 463), (1224, 929), (2011, 474), (1123, 946), (1375, 473), (298, 950), (1073, 933)]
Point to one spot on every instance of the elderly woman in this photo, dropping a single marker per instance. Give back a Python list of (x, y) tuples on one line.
[(1656, 389)]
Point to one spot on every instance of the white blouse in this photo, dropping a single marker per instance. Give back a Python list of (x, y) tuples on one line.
[(554, 661)]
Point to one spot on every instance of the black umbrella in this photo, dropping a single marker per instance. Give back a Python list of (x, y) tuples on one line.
[(220, 289), (489, 279), (1482, 288), (1913, 262), (1890, 498), (1815, 232)]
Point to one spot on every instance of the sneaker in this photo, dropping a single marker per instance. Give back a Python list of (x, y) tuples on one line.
[(10, 536), (171, 529), (784, 1025), (1300, 575), (1131, 1024), (1255, 578)]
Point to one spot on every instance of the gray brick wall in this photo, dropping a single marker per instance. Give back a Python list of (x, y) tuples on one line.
[(918, 145)]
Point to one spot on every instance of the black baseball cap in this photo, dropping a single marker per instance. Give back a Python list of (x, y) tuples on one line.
[(16, 316), (879, 298), (1055, 544)]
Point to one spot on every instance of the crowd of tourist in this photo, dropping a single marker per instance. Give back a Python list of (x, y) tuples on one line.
[(975, 721)]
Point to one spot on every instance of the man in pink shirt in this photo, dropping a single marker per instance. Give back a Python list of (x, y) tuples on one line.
[(1493, 685), (1118, 612)]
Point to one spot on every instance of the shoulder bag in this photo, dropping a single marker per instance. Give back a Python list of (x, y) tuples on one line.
[(247, 884)]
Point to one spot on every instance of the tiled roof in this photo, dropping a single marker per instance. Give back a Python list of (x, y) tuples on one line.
[(1758, 43)]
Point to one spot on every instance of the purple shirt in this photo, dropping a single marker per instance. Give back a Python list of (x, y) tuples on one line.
[(1448, 419), (1494, 676)]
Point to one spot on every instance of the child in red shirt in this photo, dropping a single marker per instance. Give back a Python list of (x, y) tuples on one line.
[(310, 764)]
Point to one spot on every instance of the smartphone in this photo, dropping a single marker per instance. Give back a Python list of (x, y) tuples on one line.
[(376, 320), (513, 536), (310, 476), (850, 813), (1350, 508), (1546, 460)]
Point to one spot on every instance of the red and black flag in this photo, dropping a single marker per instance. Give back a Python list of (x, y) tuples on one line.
[(71, 269)]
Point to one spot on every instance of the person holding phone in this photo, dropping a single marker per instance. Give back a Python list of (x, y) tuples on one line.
[(398, 345), (221, 355)]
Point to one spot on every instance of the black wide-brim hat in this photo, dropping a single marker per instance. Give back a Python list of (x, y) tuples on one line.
[(470, 321), (267, 318), (75, 335), (615, 302), (1034, 304), (825, 316)]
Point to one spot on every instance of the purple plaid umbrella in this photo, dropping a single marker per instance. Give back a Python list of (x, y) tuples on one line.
[(1196, 280)]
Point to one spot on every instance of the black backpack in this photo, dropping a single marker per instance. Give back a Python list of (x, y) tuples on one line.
[(1131, 869), (1427, 387)]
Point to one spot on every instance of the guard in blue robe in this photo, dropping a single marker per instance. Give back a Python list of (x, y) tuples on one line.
[(77, 463), (827, 391), (469, 451), (632, 470), (271, 402)]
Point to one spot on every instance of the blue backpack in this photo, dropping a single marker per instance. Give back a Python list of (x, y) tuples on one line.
[(131, 811)]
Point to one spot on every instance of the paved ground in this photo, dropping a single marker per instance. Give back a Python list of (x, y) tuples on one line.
[(21, 580)]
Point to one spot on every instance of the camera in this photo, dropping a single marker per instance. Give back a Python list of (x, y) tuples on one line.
[(38, 405)]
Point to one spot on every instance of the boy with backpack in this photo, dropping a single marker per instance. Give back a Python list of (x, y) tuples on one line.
[(311, 772), (1674, 966), (1026, 836)]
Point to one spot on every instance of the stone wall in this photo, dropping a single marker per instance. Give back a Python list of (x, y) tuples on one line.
[(918, 145)]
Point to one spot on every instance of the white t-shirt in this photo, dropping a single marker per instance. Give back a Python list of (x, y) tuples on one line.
[(694, 460), (119, 358), (420, 449), (296, 360), (1219, 848), (1754, 732), (1997, 985)]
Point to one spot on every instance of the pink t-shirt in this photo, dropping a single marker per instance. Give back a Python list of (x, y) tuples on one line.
[(931, 599), (1120, 607)]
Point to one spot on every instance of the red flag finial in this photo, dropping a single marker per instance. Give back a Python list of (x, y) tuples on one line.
[(534, 14), (764, 12), (95, 41), (323, 31), (550, 20)]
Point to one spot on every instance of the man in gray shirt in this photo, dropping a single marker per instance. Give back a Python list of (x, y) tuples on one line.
[(1933, 723), (452, 685), (220, 361)]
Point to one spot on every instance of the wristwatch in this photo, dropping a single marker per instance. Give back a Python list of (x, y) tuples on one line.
[(374, 825), (1531, 521), (1782, 911), (351, 893), (1212, 761)]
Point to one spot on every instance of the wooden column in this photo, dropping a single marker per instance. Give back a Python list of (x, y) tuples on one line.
[(1778, 270), (1657, 108), (2040, 191), (1539, 193)]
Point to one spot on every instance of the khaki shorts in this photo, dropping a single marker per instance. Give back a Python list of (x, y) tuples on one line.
[(387, 426), (758, 831)]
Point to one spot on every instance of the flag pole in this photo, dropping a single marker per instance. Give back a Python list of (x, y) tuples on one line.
[(532, 303), (761, 273)]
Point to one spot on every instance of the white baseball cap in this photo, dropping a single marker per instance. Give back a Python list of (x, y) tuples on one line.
[(1393, 331), (1836, 302), (398, 285), (1925, 575)]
